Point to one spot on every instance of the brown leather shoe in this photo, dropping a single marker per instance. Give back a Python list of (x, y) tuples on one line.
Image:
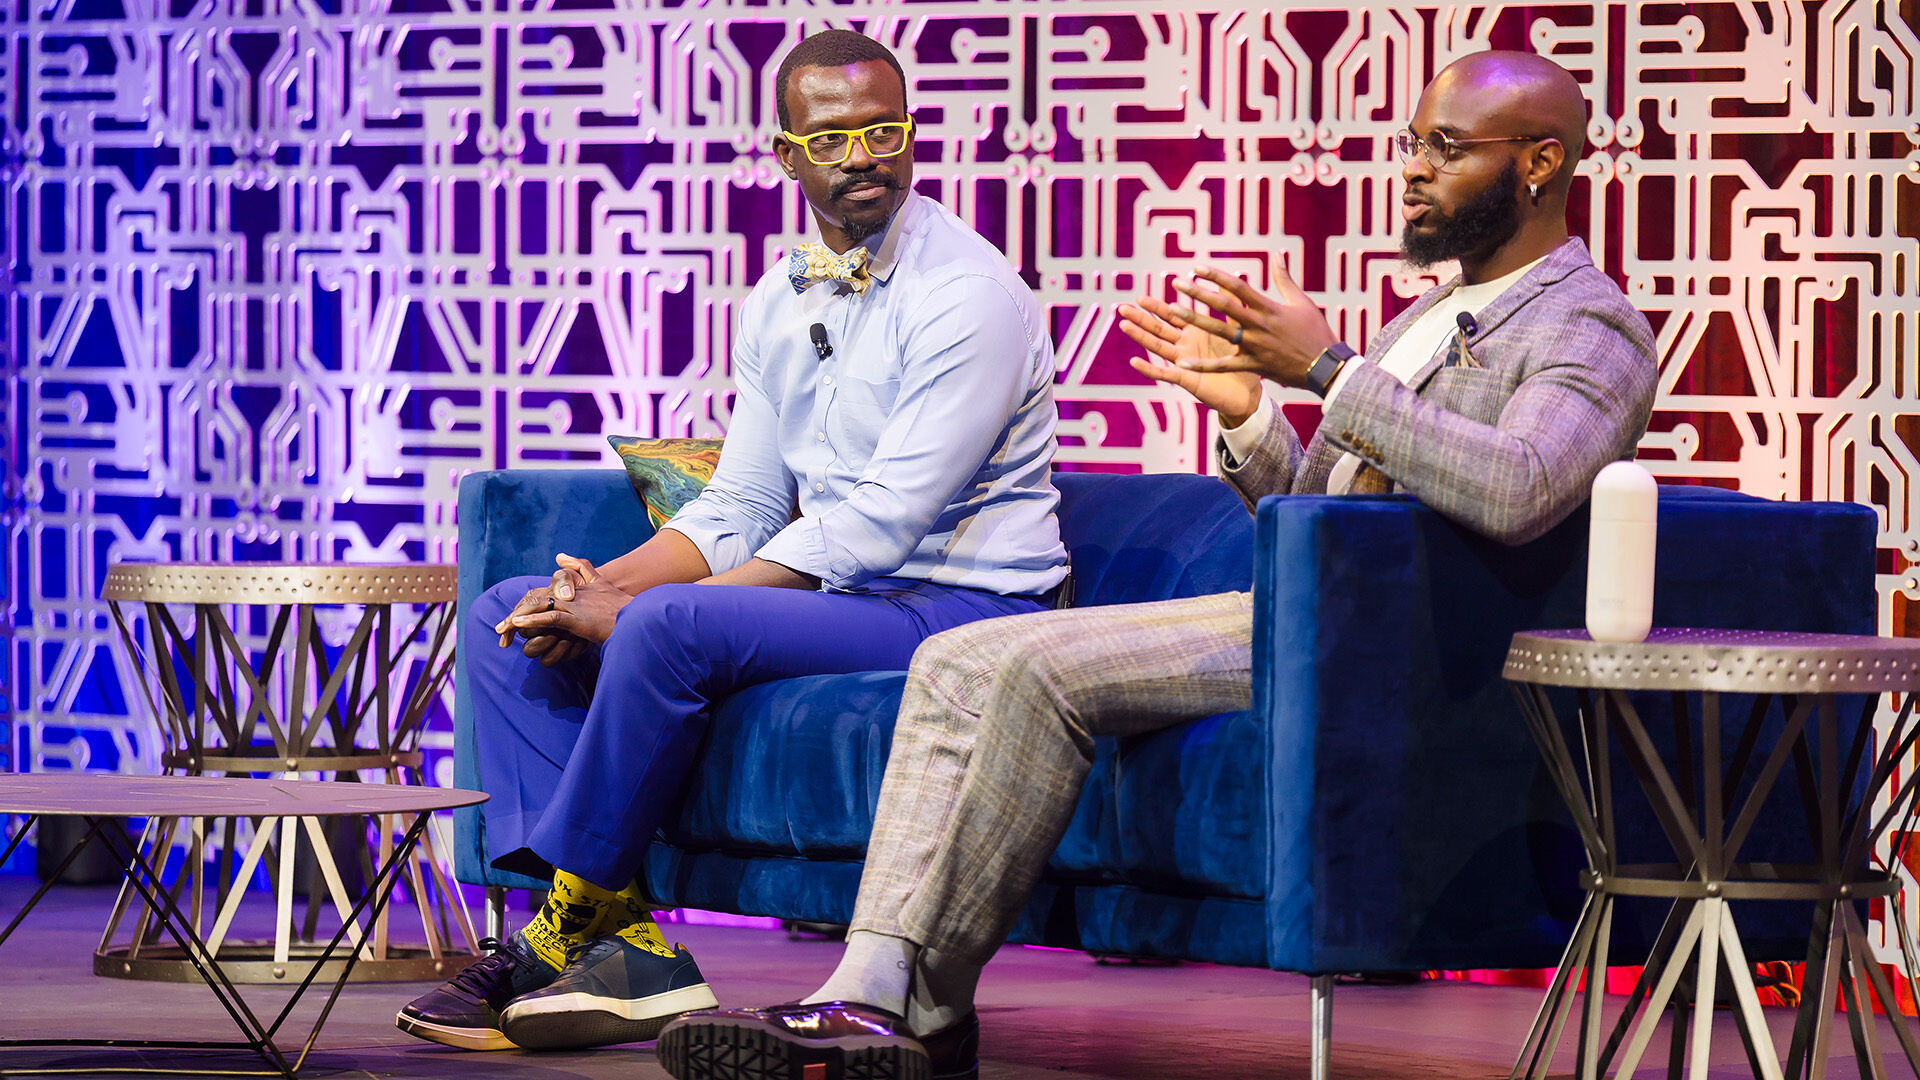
[(954, 1050), (841, 1040)]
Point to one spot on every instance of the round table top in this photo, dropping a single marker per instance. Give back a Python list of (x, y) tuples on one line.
[(118, 795), (280, 583), (1728, 661)]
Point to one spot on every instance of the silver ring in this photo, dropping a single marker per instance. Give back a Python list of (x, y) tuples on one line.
[(550, 603), (1235, 337)]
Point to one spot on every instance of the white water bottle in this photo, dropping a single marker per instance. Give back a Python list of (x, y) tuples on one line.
[(1620, 553)]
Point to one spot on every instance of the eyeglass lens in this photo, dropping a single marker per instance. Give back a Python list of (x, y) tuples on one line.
[(1435, 147)]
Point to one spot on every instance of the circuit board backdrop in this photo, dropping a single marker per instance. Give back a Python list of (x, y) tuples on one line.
[(279, 272)]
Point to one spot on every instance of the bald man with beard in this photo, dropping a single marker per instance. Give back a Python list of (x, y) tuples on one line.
[(1494, 399)]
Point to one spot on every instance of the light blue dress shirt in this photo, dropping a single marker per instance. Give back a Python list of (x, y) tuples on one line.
[(921, 448)]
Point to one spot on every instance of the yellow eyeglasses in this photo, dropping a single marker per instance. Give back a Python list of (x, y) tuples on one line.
[(883, 140)]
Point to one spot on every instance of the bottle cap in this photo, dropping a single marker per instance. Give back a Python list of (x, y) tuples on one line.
[(1625, 492)]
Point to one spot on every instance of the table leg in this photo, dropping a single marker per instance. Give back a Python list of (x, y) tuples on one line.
[(1649, 1018), (169, 917), (146, 880), (52, 878), (1657, 960), (1596, 992), (373, 905), (1763, 1058), (1537, 1052)]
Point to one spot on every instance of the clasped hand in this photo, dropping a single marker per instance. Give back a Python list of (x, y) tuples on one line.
[(562, 619), (1221, 360)]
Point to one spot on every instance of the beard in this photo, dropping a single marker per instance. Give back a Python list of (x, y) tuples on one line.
[(859, 232), (1481, 224)]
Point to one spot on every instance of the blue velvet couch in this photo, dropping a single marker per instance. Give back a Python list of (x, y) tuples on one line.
[(1381, 807)]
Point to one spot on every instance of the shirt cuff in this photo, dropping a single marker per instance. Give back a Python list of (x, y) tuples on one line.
[(801, 547), (1346, 373), (1242, 440), (723, 549)]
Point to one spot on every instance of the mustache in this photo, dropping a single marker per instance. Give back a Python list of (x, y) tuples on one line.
[(873, 179)]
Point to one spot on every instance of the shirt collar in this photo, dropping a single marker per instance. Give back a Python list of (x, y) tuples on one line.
[(885, 258)]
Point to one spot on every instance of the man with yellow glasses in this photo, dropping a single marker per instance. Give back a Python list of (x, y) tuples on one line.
[(895, 387)]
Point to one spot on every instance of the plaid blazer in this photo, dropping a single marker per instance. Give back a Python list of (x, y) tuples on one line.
[(1560, 382)]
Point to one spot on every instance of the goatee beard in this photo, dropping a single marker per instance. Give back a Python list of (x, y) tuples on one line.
[(1480, 225), (858, 234)]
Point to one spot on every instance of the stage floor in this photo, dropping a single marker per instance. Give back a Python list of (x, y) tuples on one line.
[(1045, 1015)]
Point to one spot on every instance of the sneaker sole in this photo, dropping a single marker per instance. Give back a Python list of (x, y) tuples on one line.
[(751, 1050), (578, 1021), (460, 1038)]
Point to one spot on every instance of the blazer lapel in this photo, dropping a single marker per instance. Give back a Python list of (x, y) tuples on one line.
[(1390, 333), (1564, 260)]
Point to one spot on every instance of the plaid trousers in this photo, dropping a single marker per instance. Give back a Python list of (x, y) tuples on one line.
[(994, 741)]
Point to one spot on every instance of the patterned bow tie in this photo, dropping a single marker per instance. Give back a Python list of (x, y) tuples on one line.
[(811, 264)]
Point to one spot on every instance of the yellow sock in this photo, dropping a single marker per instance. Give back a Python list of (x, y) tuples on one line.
[(636, 923), (575, 912), (630, 905)]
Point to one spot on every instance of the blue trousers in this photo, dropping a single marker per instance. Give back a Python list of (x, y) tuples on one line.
[(586, 759)]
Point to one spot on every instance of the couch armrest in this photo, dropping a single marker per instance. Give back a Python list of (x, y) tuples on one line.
[(513, 522), (1411, 825)]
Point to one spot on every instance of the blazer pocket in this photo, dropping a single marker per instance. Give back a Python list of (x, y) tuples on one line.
[(1475, 393)]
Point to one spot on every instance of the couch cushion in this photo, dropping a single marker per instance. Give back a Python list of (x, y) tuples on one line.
[(1155, 537), (793, 767), (1179, 811)]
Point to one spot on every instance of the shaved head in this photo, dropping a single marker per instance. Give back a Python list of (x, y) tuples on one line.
[(1499, 137), (1517, 93)]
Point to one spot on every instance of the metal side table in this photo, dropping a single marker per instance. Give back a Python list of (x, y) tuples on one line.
[(251, 685), (101, 798), (1694, 800)]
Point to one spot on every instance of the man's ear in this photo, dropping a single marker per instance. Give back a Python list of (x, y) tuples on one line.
[(1548, 159), (783, 151)]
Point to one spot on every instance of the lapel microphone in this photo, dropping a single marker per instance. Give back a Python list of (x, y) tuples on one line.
[(1460, 357), (818, 331)]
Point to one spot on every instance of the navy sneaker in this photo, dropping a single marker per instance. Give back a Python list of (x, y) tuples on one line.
[(611, 992), (465, 1010)]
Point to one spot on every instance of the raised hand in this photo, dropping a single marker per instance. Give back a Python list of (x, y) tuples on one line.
[(1277, 337), (1233, 395)]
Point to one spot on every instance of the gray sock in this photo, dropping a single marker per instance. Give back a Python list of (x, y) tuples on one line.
[(942, 991), (875, 970)]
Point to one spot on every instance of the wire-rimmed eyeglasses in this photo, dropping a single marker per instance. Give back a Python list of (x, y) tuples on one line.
[(1439, 149)]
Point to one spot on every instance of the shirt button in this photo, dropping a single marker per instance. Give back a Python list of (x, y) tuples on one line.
[(819, 487), (828, 380), (821, 435)]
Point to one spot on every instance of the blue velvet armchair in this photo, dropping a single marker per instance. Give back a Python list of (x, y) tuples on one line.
[(1379, 808)]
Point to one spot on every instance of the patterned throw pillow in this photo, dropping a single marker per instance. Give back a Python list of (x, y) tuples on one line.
[(666, 473)]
